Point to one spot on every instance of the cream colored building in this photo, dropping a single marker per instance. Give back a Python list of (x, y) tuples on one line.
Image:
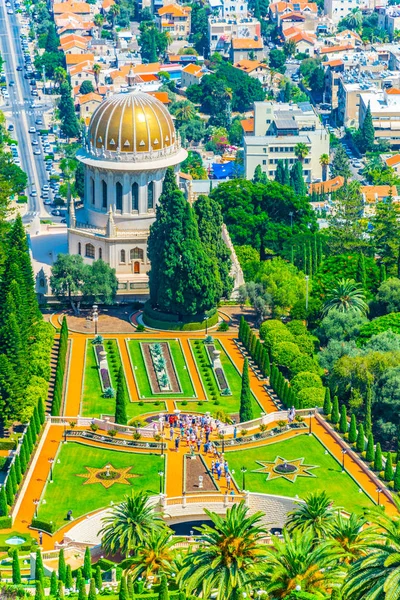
[(278, 128), (130, 143), (385, 111)]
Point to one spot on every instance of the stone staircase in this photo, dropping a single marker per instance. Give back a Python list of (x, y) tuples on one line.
[(53, 365)]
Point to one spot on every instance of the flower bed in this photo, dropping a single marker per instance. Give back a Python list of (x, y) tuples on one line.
[(160, 367), (218, 371)]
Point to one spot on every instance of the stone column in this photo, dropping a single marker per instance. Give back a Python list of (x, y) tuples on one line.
[(126, 195), (111, 191), (142, 196), (97, 190)]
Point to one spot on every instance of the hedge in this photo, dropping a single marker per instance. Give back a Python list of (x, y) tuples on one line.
[(7, 444), (60, 370), (158, 315), (5, 523), (43, 525), (175, 326), (310, 397)]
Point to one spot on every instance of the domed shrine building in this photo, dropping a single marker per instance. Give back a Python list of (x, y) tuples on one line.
[(130, 143)]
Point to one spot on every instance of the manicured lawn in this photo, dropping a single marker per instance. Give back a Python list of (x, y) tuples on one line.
[(93, 402), (142, 379), (70, 492), (227, 404), (328, 476)]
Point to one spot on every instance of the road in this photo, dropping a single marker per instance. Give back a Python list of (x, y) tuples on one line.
[(18, 111)]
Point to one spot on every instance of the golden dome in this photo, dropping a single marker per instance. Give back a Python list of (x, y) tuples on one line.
[(133, 122)]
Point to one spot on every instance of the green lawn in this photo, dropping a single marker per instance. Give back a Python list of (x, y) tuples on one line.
[(93, 402), (142, 380), (227, 404), (328, 476), (71, 492)]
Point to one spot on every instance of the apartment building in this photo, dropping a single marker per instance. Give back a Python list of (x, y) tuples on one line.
[(304, 14), (277, 129), (385, 111), (175, 20), (246, 48), (389, 18), (222, 30)]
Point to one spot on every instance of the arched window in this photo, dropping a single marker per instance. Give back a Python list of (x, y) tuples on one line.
[(136, 253), (135, 196), (100, 253), (92, 195), (104, 193), (136, 268), (41, 282), (123, 256), (150, 196), (79, 248), (118, 193), (89, 251)]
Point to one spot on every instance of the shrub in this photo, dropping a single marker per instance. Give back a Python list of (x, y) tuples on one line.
[(310, 397), (306, 379), (297, 327), (5, 522), (271, 325), (140, 327), (285, 353), (306, 344), (7, 444), (303, 363), (273, 338), (49, 527), (390, 321), (224, 326)]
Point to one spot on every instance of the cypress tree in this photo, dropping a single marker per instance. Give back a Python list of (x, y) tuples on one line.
[(69, 584), (396, 479), (39, 595), (286, 174), (368, 408), (36, 420), (13, 479), (3, 503), (253, 345), (327, 402), (41, 411), (97, 577), (398, 448), (361, 276), (388, 476), (369, 454), (78, 578), (280, 172), (246, 409), (241, 328), (163, 593), (60, 591), (353, 429), (360, 442), (258, 352), (382, 275), (39, 569), (53, 584), (367, 131), (343, 419), (61, 566), (297, 179), (121, 401), (335, 411), (9, 492), (22, 458), (82, 590), (18, 474), (310, 261), (123, 591), (92, 590), (87, 564), (266, 363), (378, 458), (315, 254), (16, 572)]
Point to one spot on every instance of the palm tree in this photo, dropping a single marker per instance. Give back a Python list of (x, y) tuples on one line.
[(355, 19), (154, 557), (129, 524), (346, 296), (228, 553), (351, 536), (114, 12), (324, 162), (99, 21), (296, 563), (185, 111), (60, 75), (316, 515), (96, 70), (301, 150)]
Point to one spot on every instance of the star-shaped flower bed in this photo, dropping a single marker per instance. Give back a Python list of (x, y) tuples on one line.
[(107, 475), (287, 469)]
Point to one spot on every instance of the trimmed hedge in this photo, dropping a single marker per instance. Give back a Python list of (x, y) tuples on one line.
[(179, 326), (60, 370), (7, 444), (5, 523), (43, 525)]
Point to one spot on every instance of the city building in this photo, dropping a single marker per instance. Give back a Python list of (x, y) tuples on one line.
[(229, 8), (393, 162), (124, 171), (88, 104), (175, 20), (191, 74), (389, 19), (385, 111), (338, 9), (305, 42), (277, 129), (221, 31), (246, 49), (255, 69), (305, 14)]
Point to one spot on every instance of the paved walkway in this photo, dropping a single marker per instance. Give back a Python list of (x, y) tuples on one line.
[(174, 475)]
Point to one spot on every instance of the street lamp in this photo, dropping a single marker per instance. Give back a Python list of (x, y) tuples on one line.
[(344, 452), (223, 440), (379, 490), (162, 436), (310, 426), (36, 503), (161, 475), (65, 433), (95, 317), (243, 471), (51, 461)]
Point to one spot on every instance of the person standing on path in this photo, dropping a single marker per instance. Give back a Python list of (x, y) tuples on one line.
[(171, 433), (228, 481), (177, 440)]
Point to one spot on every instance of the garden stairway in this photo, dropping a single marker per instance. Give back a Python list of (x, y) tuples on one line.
[(53, 366)]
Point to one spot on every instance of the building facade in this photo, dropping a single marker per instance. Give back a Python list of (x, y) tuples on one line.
[(278, 128), (130, 143)]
